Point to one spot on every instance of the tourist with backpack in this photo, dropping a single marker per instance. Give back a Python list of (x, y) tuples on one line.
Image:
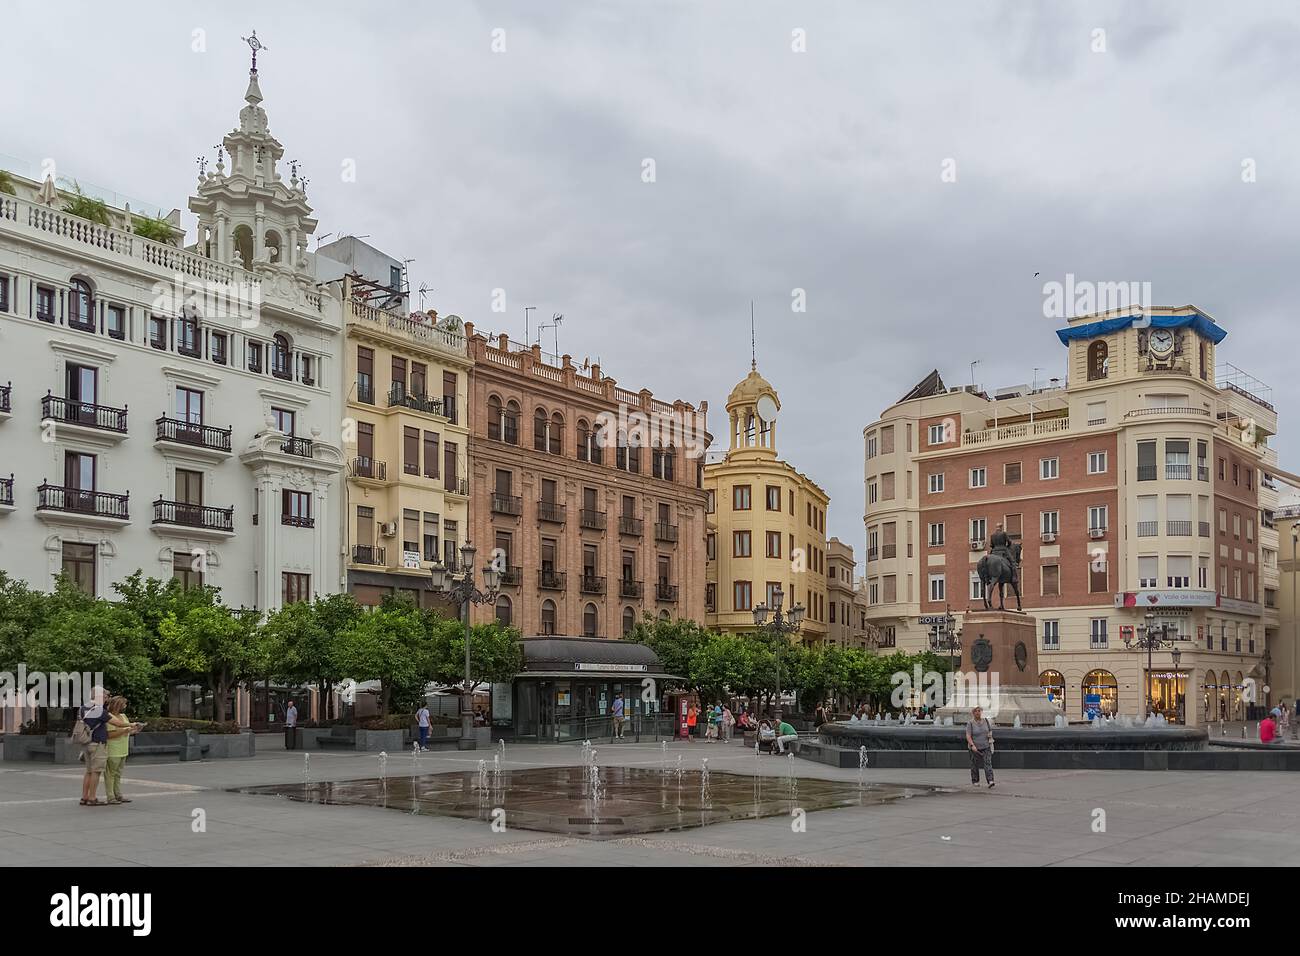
[(91, 732)]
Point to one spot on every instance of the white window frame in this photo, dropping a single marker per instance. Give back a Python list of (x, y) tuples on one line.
[(1097, 462), (938, 587), (1052, 518), (1051, 635), (1098, 635), (976, 587), (935, 483), (1049, 464), (936, 541), (982, 524), (979, 478), (1096, 512), (934, 435)]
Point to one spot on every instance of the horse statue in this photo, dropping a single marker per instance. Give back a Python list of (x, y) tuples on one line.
[(1000, 567)]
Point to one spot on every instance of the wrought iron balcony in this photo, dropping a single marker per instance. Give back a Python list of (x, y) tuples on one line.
[(7, 490), (6, 393), (589, 518), (363, 467), (298, 521), (456, 486), (507, 504), (593, 584), (193, 516), (399, 397), (1178, 528), (549, 580), (366, 393), (630, 589), (512, 576), (297, 446), (100, 504), (665, 531), (550, 511), (368, 554), (70, 412), (189, 433), (665, 591), (630, 525)]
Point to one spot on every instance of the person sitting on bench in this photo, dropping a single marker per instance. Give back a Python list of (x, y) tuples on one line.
[(785, 734)]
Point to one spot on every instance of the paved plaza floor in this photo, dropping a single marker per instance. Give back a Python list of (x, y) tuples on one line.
[(1032, 818)]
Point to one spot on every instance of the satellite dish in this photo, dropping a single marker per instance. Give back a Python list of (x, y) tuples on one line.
[(767, 408)]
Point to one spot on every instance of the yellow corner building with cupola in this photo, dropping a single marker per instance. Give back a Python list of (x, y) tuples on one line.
[(766, 527)]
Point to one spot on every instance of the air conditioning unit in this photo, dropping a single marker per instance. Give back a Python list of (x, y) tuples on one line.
[(389, 529), (1047, 537), (1096, 533), (977, 544)]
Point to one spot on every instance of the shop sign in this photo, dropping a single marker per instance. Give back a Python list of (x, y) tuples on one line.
[(1238, 607), (1174, 598), (620, 668)]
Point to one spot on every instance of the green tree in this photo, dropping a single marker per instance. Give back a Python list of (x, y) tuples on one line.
[(388, 644), (494, 652), (22, 610), (674, 642), (225, 646), (303, 639)]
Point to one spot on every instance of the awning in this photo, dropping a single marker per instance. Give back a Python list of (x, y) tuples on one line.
[(588, 657), (1197, 322)]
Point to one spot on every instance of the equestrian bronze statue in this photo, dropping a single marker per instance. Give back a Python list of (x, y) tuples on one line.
[(1001, 566)]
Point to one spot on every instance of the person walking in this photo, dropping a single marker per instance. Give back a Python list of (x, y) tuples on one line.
[(422, 725), (728, 722), (979, 740), (618, 715), (120, 732)]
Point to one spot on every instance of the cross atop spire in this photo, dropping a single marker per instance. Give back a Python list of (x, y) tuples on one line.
[(753, 353), (254, 44)]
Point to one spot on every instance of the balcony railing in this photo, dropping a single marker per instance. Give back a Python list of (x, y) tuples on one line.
[(190, 433), (889, 550), (1204, 529), (593, 584), (665, 592), (399, 397), (873, 554), (101, 504), (629, 525), (193, 516), (665, 532), (590, 518), (1202, 472), (1147, 472), (457, 486), (1148, 529), (507, 504), (298, 521), (368, 554), (6, 393), (281, 371), (83, 413), (366, 393), (7, 490), (630, 589), (297, 446), (1178, 472), (1178, 528), (363, 467), (550, 580), (550, 511)]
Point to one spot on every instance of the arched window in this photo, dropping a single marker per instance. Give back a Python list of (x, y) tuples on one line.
[(629, 621), (495, 418), (510, 423), (1098, 363), (1238, 708), (1225, 693), (273, 245), (81, 306), (539, 430), (554, 440), (749, 429), (589, 621), (1100, 693), (281, 357), (548, 617), (1053, 684), (243, 245), (504, 610), (663, 615), (584, 440)]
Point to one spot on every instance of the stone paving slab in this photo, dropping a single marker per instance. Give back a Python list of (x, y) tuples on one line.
[(1032, 818)]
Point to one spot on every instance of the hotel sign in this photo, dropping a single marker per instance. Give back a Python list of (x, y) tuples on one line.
[(618, 668), (1173, 598)]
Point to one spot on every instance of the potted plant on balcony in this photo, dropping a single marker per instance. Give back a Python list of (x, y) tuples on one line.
[(87, 207), (154, 228)]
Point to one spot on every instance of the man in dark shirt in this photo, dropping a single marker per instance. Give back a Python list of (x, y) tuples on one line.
[(94, 715)]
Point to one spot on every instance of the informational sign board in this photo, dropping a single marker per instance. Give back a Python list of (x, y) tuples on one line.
[(503, 702), (411, 559)]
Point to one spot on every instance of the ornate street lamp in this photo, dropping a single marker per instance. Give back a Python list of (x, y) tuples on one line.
[(1153, 636), (779, 626), (459, 587)]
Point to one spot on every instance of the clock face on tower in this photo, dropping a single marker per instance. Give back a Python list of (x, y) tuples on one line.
[(1162, 341)]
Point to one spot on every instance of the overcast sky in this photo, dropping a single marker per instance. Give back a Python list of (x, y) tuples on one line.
[(775, 170)]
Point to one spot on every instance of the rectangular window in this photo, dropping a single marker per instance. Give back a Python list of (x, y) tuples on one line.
[(1098, 575), (743, 596), (1051, 635), (936, 434), (116, 322), (431, 454), (976, 587), (79, 566), (1148, 571), (1098, 635), (740, 498), (399, 378), (1050, 522), (450, 383), (219, 344), (936, 482), (937, 591), (1011, 473), (1096, 462), (45, 305), (254, 348), (431, 522), (411, 530), (1051, 580), (189, 405), (936, 534), (978, 477), (4, 293), (295, 508), (294, 587), (185, 573), (711, 546), (1178, 465), (419, 380), (411, 450), (740, 544), (1014, 526), (978, 529), (773, 496), (1180, 571), (285, 420), (1049, 468), (1096, 413), (1098, 518), (365, 375), (1146, 461), (774, 544)]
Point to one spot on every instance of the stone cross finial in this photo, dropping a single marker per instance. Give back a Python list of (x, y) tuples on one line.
[(254, 44)]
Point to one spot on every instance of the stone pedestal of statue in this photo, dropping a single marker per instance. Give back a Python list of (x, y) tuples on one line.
[(999, 671)]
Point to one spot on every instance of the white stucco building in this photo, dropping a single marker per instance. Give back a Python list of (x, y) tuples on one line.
[(172, 409)]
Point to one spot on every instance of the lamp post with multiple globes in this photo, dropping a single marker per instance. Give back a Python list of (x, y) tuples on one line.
[(460, 588), (779, 625)]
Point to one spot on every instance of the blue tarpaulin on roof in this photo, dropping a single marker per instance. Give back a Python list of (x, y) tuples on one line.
[(1198, 322)]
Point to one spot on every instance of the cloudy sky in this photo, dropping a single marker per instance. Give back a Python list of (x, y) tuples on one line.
[(774, 170)]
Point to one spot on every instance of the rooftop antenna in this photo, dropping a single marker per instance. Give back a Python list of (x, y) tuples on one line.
[(556, 320), (527, 309), (753, 353), (972, 372), (406, 277), (424, 289)]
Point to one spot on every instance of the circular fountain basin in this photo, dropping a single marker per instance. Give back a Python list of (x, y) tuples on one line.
[(892, 736)]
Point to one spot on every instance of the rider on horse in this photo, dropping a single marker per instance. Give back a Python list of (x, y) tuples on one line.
[(1000, 544)]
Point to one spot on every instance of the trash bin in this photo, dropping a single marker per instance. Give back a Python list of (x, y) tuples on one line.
[(292, 738)]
